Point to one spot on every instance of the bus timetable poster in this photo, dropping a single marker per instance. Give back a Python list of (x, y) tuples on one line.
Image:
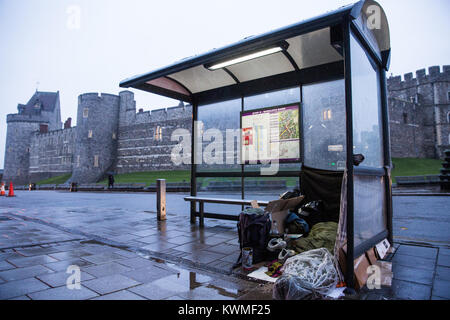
[(270, 135)]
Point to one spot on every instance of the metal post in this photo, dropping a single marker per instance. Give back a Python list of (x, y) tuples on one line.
[(349, 132), (386, 153), (193, 205), (161, 199)]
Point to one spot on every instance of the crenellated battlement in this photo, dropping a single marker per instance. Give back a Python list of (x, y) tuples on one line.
[(95, 97), (419, 78)]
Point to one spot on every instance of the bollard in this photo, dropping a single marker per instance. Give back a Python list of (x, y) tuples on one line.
[(161, 199)]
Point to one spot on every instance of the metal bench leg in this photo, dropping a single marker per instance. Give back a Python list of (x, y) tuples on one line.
[(193, 208), (202, 211)]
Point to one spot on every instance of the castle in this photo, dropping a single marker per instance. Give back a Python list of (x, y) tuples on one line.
[(111, 136)]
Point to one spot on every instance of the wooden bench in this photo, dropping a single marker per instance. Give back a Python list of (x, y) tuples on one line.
[(202, 200)]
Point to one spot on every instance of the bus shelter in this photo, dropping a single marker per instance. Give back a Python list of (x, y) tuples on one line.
[(322, 83)]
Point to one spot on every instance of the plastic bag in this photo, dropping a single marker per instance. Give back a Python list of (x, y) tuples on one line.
[(310, 274)]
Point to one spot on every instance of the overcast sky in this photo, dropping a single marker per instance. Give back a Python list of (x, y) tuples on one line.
[(41, 46)]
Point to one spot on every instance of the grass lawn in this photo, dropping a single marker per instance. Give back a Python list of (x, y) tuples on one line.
[(150, 177), (55, 180), (404, 167)]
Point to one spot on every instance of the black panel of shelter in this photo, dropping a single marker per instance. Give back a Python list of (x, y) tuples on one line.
[(322, 185)]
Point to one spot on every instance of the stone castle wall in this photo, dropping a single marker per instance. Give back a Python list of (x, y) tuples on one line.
[(145, 144), (419, 110), (51, 153)]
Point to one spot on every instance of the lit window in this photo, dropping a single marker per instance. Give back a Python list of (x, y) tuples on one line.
[(326, 115), (114, 136), (158, 133), (85, 112), (90, 134), (96, 161)]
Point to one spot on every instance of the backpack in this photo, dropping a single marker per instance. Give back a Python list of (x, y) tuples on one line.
[(254, 228)]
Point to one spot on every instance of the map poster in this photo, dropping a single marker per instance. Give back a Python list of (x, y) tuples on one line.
[(271, 135)]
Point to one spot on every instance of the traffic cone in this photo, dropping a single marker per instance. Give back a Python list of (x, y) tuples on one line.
[(11, 190), (2, 191)]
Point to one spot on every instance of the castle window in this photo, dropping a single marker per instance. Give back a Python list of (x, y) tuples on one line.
[(448, 96), (114, 136), (78, 161), (96, 161), (158, 133), (85, 112), (326, 115), (405, 118), (90, 134), (448, 117)]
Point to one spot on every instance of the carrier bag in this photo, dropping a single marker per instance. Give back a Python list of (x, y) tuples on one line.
[(254, 228)]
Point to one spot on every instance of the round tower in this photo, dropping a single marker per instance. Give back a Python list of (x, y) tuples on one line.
[(96, 137), (18, 142)]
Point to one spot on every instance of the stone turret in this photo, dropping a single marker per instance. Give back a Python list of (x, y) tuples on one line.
[(42, 109), (96, 136)]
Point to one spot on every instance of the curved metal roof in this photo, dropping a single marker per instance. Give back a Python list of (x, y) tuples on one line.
[(305, 44)]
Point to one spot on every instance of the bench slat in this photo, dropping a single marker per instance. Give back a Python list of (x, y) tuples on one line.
[(225, 201)]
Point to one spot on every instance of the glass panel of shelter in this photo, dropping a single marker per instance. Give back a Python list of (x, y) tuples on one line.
[(369, 196), (323, 109)]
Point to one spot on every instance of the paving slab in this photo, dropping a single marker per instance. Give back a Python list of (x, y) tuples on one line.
[(103, 257), (59, 279), (410, 291), (442, 273), (120, 295), (110, 284), (150, 292), (5, 265), (422, 276), (18, 288), (417, 262), (106, 269), (423, 252), (63, 265), (147, 274), (23, 273), (442, 289), (443, 260), (31, 261), (63, 293), (137, 262)]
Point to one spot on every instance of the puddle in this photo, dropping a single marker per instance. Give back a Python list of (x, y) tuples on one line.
[(195, 283)]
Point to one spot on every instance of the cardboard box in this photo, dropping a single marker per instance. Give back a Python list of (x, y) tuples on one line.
[(279, 210), (360, 265), (370, 254)]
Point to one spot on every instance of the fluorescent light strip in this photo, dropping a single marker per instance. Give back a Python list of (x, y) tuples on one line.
[(245, 58)]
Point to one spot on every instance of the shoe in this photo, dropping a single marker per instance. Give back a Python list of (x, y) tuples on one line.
[(285, 254), (276, 244)]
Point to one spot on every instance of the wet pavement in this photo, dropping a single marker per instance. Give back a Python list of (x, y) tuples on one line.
[(123, 252)]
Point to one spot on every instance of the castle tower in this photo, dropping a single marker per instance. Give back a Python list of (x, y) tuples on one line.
[(41, 113), (419, 110), (127, 108), (96, 137)]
